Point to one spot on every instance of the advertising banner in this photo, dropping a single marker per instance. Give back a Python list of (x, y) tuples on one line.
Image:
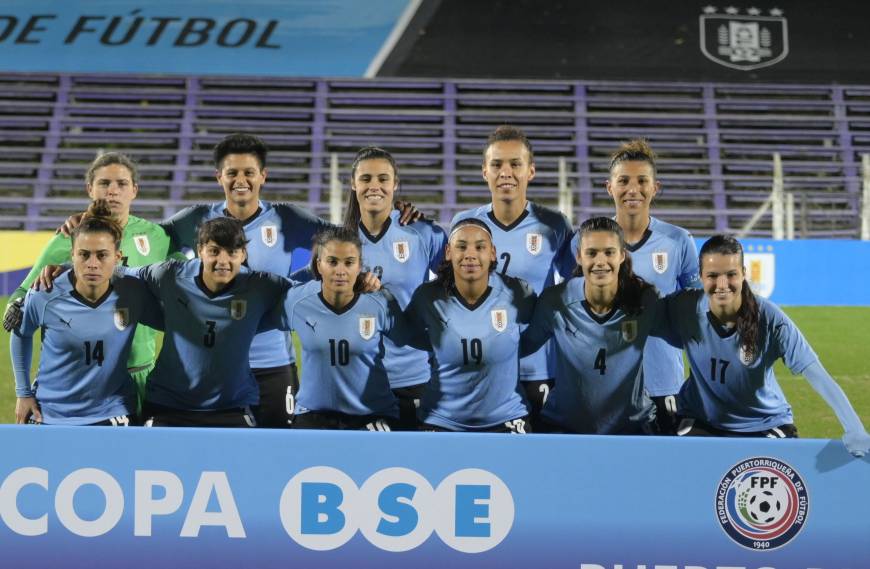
[(143, 498), (209, 37)]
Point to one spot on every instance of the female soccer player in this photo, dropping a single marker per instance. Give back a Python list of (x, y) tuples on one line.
[(342, 332), (470, 319), (600, 322), (662, 254), (88, 321), (401, 256), (114, 177), (732, 338)]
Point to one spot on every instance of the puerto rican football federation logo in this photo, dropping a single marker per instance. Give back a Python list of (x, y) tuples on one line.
[(401, 251), (143, 245), (499, 319), (744, 42), (238, 309), (762, 503), (534, 243), (366, 327), (629, 330), (269, 234), (122, 318), (660, 261)]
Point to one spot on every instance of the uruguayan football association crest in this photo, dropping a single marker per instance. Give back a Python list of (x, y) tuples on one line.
[(401, 251), (143, 245), (660, 261), (269, 233), (122, 318), (238, 309), (366, 327), (629, 330), (499, 319), (760, 271), (745, 42), (534, 243), (746, 357)]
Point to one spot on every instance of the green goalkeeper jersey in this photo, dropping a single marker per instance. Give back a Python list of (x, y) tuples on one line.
[(143, 243)]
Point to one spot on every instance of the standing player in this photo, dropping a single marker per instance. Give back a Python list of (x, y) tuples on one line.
[(662, 254), (533, 241), (88, 321), (343, 337), (600, 323), (401, 256), (115, 178), (732, 339), (470, 318), (273, 231)]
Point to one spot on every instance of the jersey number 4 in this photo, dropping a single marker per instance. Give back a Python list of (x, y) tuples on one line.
[(95, 354), (600, 361)]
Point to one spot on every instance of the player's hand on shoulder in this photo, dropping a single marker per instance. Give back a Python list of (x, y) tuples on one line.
[(26, 408), (857, 442), (410, 213), (13, 315), (369, 282), (47, 277), (71, 223)]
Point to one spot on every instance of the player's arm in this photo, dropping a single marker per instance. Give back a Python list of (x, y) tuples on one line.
[(437, 245), (21, 352), (540, 328), (690, 272), (181, 229), (855, 437), (664, 321), (412, 330), (56, 252), (565, 260)]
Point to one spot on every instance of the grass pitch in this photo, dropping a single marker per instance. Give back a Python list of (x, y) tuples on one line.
[(839, 336)]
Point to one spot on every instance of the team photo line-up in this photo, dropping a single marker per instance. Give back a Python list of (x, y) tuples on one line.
[(527, 325)]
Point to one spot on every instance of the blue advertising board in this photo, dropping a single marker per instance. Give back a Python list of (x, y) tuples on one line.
[(144, 498), (208, 37)]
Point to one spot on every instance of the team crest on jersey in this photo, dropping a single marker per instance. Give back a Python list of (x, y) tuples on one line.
[(122, 318), (238, 309), (746, 357), (143, 245), (366, 327), (660, 261), (499, 319), (629, 330), (534, 243), (269, 233), (401, 251)]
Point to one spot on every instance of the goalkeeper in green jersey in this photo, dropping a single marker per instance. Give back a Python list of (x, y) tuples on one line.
[(115, 178)]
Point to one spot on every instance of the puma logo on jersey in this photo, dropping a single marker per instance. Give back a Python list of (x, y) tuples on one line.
[(311, 324), (67, 322)]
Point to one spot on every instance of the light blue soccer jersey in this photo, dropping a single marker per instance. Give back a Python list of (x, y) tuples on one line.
[(203, 363), (343, 351), (402, 257), (727, 388), (82, 377), (666, 257), (534, 248), (272, 236), (475, 363), (599, 387)]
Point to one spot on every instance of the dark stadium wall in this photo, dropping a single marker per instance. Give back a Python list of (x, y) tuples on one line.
[(760, 41)]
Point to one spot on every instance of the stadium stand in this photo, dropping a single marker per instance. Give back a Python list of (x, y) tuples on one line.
[(715, 141)]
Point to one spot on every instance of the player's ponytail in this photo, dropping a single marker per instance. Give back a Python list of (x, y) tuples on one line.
[(98, 219), (352, 212), (630, 287), (748, 313)]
